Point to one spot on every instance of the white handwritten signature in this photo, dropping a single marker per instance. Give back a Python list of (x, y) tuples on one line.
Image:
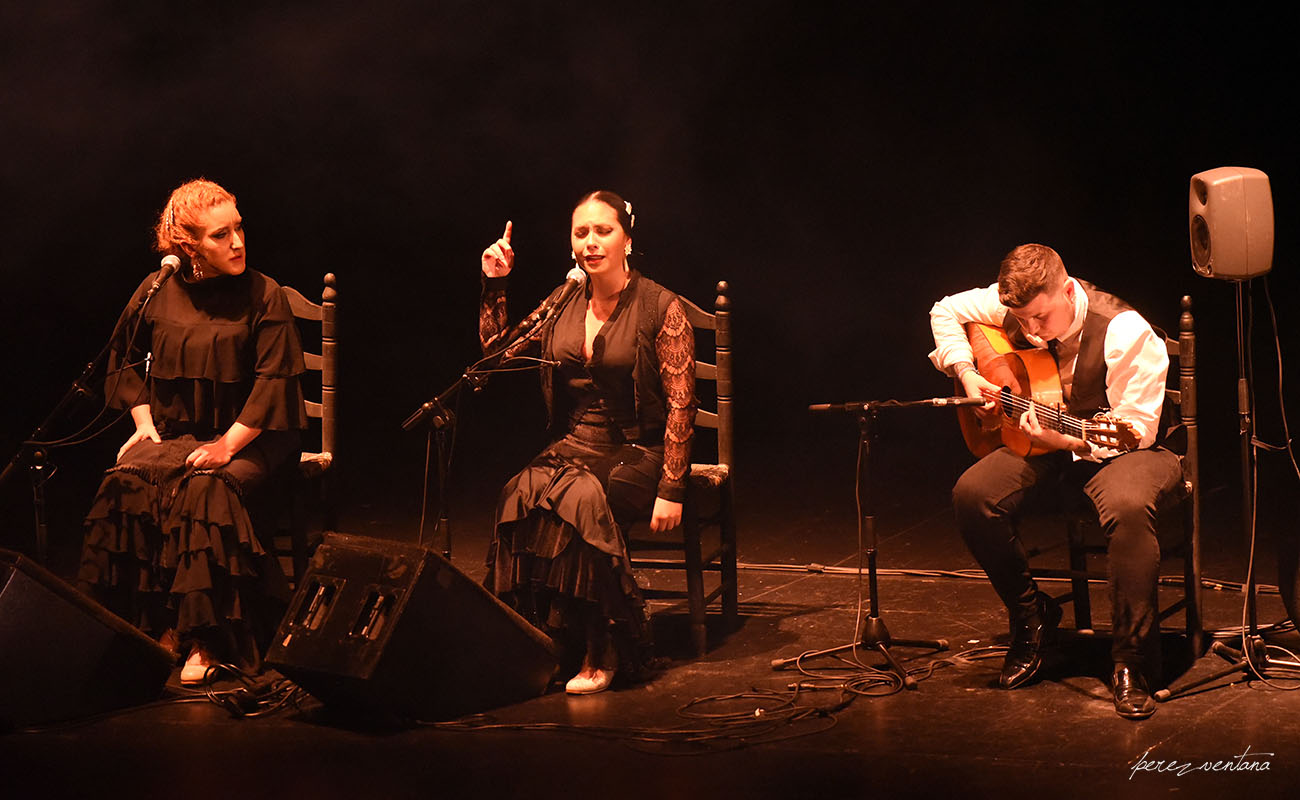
[(1245, 762)]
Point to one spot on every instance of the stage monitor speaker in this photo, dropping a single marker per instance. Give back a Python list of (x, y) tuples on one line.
[(63, 656), (393, 629), (1230, 223)]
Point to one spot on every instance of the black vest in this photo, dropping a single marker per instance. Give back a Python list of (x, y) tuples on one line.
[(651, 301), (1088, 389)]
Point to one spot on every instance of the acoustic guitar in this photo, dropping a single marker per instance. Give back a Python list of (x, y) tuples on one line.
[(1028, 379)]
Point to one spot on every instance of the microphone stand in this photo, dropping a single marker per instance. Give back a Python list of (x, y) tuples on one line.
[(34, 451), (441, 422), (34, 455), (436, 414), (872, 634)]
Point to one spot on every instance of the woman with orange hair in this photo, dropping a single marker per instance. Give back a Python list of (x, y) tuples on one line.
[(209, 370)]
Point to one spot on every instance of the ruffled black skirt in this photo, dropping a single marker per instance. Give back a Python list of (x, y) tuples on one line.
[(559, 553), (167, 546)]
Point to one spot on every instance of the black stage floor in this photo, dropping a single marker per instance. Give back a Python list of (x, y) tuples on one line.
[(955, 733)]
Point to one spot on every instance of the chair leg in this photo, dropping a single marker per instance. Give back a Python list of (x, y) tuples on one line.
[(1079, 590), (298, 530), (329, 512), (730, 589), (695, 583), (1192, 582)]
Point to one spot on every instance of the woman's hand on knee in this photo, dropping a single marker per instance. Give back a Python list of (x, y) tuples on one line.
[(209, 456), (666, 515), (142, 432)]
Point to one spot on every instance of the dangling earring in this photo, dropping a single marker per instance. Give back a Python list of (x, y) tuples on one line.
[(196, 269), (573, 256)]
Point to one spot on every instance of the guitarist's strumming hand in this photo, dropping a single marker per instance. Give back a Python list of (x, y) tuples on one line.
[(1054, 440)]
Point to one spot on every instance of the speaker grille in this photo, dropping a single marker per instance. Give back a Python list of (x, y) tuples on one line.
[(1198, 188), (1201, 245)]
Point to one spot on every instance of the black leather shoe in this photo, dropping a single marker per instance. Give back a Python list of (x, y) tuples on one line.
[(1025, 655), (1132, 697)]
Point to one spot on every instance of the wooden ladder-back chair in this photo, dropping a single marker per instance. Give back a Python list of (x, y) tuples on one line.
[(1182, 507), (710, 495), (312, 483)]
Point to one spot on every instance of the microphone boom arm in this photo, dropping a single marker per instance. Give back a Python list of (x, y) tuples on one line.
[(435, 410)]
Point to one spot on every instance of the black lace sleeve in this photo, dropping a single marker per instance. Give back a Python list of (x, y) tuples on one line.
[(675, 347), (491, 310)]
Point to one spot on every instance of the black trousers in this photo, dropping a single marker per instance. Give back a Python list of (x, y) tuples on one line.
[(1125, 490)]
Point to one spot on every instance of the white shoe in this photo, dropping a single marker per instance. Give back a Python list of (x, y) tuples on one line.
[(598, 682), (196, 667)]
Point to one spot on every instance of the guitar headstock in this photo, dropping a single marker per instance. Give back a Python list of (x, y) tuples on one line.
[(1106, 430)]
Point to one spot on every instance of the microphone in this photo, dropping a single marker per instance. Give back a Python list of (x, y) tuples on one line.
[(953, 401), (572, 283), (863, 406), (167, 269)]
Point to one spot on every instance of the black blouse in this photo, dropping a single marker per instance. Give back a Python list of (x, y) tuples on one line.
[(209, 354)]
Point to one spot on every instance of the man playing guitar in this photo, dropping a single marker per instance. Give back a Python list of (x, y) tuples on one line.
[(1106, 356)]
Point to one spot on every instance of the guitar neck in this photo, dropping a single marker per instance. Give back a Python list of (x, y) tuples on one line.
[(1102, 430), (1048, 416)]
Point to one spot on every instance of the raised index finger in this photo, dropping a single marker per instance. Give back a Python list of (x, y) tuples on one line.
[(506, 235)]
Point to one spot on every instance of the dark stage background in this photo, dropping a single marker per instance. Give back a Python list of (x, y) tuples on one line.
[(841, 166)]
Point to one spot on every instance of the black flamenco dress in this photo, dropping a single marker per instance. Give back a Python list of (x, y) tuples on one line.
[(170, 546), (623, 422)]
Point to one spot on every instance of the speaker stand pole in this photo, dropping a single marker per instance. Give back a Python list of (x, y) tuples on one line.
[(1245, 423), (1252, 657)]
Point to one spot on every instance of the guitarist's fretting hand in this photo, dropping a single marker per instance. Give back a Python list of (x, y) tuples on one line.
[(976, 385), (1054, 440)]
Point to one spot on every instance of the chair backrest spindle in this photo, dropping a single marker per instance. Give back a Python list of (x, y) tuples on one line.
[(329, 369), (719, 371), (722, 315), (326, 361)]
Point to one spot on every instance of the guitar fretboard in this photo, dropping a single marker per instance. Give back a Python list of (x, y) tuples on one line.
[(1052, 417)]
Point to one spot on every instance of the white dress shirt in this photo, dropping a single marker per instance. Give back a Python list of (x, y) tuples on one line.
[(1136, 360)]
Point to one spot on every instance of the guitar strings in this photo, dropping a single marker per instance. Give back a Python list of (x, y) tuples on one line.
[(1049, 414), (1052, 416)]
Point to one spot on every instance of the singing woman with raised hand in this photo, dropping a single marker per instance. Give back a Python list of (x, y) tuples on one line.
[(210, 374), (621, 403)]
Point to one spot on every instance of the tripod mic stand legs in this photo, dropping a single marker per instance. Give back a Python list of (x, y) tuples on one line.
[(873, 636), (1257, 664)]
